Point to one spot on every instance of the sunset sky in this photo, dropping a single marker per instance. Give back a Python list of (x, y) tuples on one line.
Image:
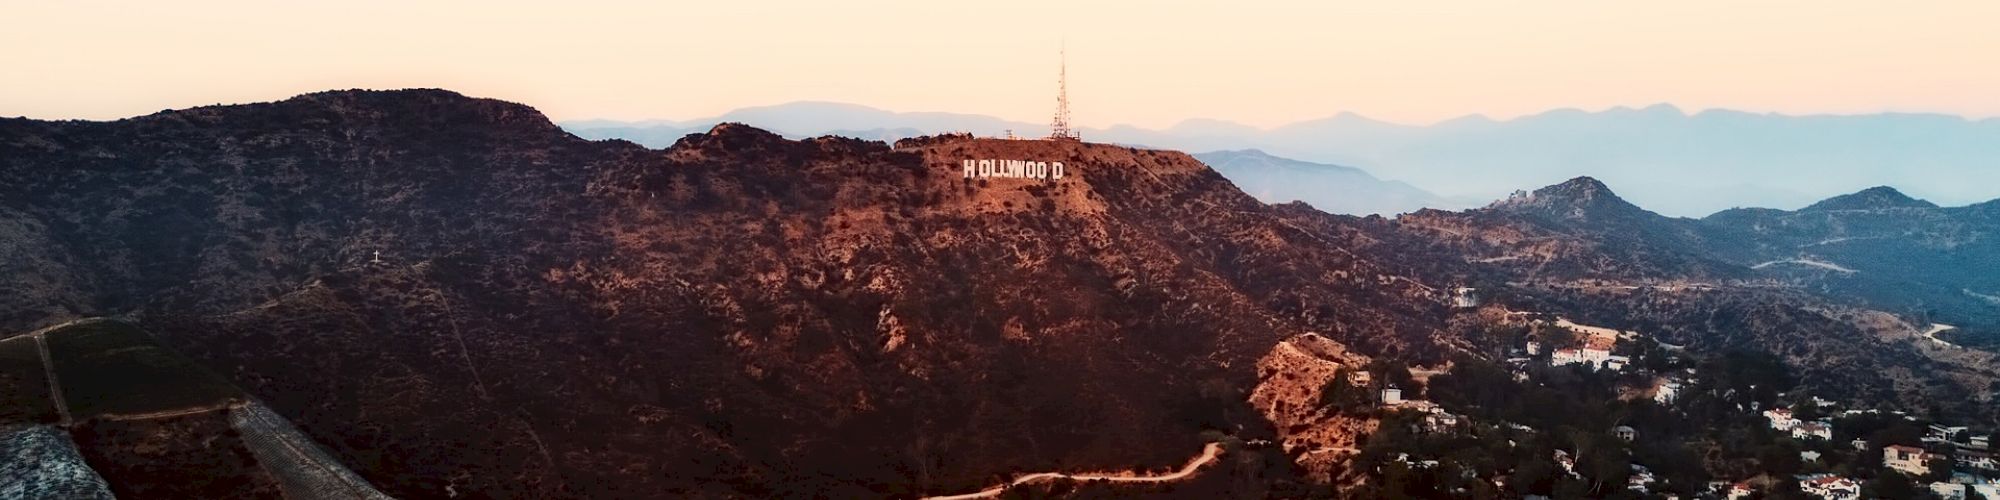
[(1144, 63)]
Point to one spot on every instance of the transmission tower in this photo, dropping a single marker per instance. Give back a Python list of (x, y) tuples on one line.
[(1059, 127)]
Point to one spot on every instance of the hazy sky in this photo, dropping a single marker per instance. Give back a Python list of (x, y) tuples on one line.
[(1150, 63)]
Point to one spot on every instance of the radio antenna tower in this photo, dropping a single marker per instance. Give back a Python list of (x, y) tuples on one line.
[(1059, 127)]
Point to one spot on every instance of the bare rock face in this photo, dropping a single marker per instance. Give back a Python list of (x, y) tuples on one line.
[(454, 296)]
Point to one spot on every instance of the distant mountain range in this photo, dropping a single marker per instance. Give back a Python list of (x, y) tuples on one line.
[(1332, 188), (1677, 163)]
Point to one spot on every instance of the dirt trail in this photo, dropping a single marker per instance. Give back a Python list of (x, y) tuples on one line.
[(49, 373), (181, 412), (1208, 454)]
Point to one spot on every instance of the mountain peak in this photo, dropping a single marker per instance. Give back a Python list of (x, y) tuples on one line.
[(1878, 197), (1586, 186), (1579, 198)]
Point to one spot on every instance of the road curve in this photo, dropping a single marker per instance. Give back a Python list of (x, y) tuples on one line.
[(1208, 454)]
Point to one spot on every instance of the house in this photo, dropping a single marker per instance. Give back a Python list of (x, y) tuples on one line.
[(1359, 378), (1740, 490), (1464, 298), (1392, 396), (1616, 363), (1859, 444), (1589, 358), (1907, 459), (1809, 456), (1435, 418), (1666, 392), (1831, 487), (1941, 433), (1625, 433), (1640, 480), (1973, 459), (1567, 462), (1987, 489), (1813, 430), (1948, 491), (1781, 419), (1981, 443)]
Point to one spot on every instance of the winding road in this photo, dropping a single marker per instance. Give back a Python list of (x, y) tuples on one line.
[(1208, 454)]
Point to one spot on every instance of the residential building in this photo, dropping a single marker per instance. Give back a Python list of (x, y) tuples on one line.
[(1666, 392), (1640, 480), (1739, 491), (1907, 459), (1831, 487), (1781, 419), (1625, 433), (1948, 491), (1392, 396), (1813, 430), (1975, 459), (1987, 489), (1940, 433)]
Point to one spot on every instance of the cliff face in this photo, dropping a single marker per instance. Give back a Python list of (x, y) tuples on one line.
[(455, 296)]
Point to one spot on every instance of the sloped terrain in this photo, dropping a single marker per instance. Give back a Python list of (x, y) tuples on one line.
[(738, 315), (455, 297)]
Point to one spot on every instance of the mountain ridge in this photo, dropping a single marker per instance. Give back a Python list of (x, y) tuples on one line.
[(1669, 160), (739, 314)]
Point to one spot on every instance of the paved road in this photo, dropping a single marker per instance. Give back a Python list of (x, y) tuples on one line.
[(1208, 454)]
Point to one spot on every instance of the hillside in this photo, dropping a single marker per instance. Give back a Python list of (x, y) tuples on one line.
[(454, 295)]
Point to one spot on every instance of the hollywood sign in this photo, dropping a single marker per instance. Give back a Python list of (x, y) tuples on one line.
[(1013, 169)]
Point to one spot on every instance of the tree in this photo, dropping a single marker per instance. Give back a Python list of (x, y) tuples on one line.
[(1890, 484), (1779, 459), (1940, 469)]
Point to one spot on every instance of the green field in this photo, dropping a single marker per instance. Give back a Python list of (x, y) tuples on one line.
[(24, 392), (114, 368)]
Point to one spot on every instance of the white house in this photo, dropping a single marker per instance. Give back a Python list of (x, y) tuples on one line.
[(1948, 491), (1907, 459), (1813, 430), (1666, 392), (1781, 419), (1392, 396), (1831, 487), (1972, 459), (1588, 357), (1987, 489)]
